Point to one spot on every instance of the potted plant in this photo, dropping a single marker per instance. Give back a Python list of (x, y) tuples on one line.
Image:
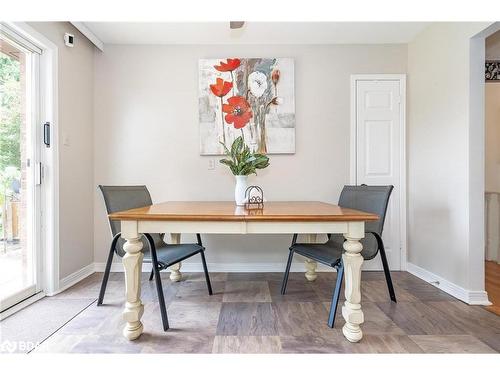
[(242, 162)]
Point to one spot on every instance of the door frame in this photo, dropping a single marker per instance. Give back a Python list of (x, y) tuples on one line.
[(49, 110), (476, 292), (402, 149), (49, 157)]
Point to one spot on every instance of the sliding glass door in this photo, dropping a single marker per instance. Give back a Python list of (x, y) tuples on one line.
[(19, 171)]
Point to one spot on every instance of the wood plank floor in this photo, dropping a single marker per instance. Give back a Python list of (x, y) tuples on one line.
[(492, 285), (247, 314)]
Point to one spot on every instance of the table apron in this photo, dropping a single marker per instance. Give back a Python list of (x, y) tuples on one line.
[(243, 227)]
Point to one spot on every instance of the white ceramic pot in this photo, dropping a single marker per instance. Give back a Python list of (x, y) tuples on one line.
[(239, 190)]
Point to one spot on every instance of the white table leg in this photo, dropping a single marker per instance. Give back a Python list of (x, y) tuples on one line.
[(352, 260), (175, 273), (311, 265), (132, 262)]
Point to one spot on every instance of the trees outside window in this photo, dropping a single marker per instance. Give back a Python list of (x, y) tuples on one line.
[(10, 125)]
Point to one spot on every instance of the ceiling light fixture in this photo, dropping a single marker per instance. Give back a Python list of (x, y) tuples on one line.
[(236, 24)]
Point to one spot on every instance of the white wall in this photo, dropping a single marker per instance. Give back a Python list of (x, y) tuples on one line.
[(493, 47), (441, 129), (492, 120), (76, 169), (146, 131)]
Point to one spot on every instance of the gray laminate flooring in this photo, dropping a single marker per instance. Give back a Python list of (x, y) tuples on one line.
[(247, 314)]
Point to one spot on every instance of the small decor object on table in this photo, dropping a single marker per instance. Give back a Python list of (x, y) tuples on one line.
[(242, 162), (254, 198)]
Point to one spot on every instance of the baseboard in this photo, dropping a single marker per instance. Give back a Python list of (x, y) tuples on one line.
[(479, 298), (86, 271), (237, 267), (223, 267), (74, 278), (470, 297)]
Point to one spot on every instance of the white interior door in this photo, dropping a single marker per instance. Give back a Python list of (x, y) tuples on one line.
[(379, 127)]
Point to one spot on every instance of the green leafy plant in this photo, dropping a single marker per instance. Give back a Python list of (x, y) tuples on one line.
[(241, 160)]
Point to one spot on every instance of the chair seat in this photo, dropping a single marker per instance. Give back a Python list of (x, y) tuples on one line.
[(170, 254), (328, 253)]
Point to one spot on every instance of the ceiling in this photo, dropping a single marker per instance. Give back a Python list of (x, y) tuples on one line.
[(255, 32)]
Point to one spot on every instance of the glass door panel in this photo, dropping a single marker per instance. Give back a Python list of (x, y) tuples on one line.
[(18, 158)]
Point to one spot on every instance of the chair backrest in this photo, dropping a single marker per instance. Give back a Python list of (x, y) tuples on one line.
[(373, 199), (121, 198)]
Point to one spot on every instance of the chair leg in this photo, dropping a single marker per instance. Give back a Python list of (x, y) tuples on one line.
[(159, 289), (152, 274), (287, 271), (161, 299), (336, 295), (387, 273), (107, 270), (207, 277)]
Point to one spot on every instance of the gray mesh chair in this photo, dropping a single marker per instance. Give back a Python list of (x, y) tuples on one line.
[(156, 251), (372, 199)]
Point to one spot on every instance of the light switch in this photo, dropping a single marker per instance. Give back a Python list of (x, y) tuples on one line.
[(65, 139), (211, 164)]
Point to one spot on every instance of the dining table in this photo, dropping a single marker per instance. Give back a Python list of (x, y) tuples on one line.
[(307, 218)]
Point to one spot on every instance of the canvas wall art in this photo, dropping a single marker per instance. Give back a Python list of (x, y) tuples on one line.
[(249, 97)]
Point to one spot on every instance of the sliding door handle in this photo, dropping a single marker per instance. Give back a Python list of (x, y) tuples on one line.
[(46, 134), (38, 173)]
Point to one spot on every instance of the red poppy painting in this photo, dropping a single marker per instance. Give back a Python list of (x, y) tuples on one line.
[(221, 87), (228, 66), (238, 111), (252, 98)]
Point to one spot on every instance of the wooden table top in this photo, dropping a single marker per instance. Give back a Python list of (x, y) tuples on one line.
[(228, 211)]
